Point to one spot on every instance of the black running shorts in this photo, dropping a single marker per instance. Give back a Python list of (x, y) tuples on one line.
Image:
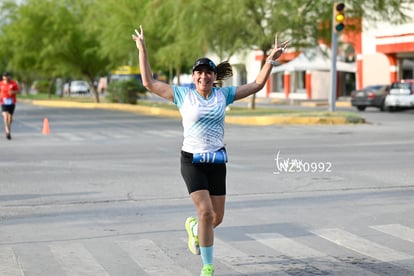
[(211, 177), (8, 108)]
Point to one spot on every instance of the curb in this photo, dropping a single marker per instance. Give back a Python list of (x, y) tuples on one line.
[(285, 120), (337, 104), (237, 120), (147, 110)]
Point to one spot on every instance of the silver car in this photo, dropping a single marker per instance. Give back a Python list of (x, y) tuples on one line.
[(401, 95), (79, 87)]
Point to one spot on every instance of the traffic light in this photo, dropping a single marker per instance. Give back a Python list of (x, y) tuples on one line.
[(339, 17)]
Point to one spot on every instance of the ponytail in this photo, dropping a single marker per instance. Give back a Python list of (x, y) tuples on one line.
[(224, 71)]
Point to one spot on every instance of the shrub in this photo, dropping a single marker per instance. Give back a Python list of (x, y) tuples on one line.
[(42, 86), (125, 91)]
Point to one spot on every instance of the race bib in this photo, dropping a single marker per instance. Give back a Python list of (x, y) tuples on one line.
[(8, 101), (216, 157)]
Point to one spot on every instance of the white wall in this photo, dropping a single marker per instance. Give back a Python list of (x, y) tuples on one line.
[(376, 67), (320, 85)]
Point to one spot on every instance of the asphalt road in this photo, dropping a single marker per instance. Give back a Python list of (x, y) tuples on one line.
[(102, 195)]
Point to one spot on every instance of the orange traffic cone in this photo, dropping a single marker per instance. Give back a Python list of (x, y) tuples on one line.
[(46, 128)]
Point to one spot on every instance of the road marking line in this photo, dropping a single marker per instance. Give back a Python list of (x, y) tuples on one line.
[(76, 260), (151, 258), (361, 245), (9, 264), (287, 245), (164, 133), (69, 136), (396, 230), (298, 251), (240, 261)]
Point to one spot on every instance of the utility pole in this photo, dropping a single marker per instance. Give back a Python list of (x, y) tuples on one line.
[(338, 18)]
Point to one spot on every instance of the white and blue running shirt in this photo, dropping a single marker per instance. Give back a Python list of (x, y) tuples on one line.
[(203, 119)]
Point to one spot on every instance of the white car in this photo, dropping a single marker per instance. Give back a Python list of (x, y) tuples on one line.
[(401, 95), (79, 87)]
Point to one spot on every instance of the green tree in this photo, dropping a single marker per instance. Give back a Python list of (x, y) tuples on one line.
[(173, 40), (15, 23), (114, 21), (54, 39), (179, 40)]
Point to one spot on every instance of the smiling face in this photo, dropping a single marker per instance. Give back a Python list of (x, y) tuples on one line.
[(204, 78)]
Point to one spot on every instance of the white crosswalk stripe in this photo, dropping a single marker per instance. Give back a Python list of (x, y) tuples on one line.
[(164, 133), (239, 261), (152, 259), (8, 263), (396, 230), (69, 136), (361, 245), (76, 260), (86, 136), (286, 245)]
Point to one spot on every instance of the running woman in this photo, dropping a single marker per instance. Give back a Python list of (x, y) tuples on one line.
[(203, 155)]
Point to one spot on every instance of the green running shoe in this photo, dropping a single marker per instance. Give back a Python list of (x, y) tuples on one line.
[(193, 244), (208, 270)]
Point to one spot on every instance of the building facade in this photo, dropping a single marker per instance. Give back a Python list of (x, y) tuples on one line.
[(380, 54)]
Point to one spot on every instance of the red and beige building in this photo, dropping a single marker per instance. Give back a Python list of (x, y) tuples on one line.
[(380, 53)]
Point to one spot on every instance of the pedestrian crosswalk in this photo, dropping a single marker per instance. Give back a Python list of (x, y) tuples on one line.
[(121, 134), (282, 254), (9, 264), (152, 259), (95, 136), (313, 260), (242, 262), (75, 259)]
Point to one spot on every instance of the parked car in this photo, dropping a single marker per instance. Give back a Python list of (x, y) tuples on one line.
[(401, 95), (79, 87), (370, 96)]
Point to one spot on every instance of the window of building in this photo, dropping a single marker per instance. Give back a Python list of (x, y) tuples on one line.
[(298, 79)]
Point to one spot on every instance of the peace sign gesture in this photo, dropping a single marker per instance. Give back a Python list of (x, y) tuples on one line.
[(278, 49), (139, 38)]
